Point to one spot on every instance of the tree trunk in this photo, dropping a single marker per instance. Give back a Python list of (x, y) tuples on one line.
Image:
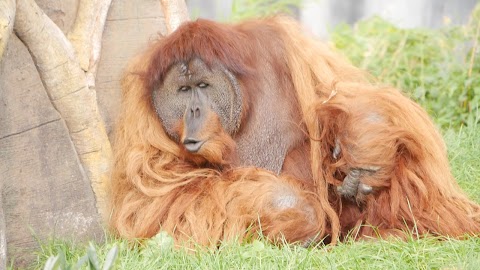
[(175, 12), (7, 17), (66, 85)]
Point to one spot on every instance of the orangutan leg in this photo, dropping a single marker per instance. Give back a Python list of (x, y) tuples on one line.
[(278, 207)]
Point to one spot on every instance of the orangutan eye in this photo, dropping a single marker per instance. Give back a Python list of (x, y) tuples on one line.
[(184, 88), (202, 85)]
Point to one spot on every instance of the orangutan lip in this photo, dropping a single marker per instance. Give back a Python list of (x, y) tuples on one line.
[(192, 145)]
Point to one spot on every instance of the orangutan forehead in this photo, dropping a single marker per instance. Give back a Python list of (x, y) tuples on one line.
[(183, 68), (192, 68)]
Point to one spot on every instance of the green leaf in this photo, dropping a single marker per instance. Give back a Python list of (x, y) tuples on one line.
[(83, 260), (92, 257), (52, 263), (110, 259)]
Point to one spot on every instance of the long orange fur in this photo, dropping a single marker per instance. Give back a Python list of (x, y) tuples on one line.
[(154, 188)]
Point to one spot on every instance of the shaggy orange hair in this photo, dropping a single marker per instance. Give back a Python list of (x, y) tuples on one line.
[(153, 188)]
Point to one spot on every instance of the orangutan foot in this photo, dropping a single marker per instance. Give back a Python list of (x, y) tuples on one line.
[(352, 187)]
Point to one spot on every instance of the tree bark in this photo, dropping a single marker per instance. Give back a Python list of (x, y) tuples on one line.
[(66, 84), (7, 17), (3, 237), (175, 12), (86, 35)]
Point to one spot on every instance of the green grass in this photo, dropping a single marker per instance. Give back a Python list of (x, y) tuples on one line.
[(427, 253), (464, 155)]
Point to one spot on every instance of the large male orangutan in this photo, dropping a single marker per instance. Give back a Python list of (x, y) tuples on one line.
[(235, 130)]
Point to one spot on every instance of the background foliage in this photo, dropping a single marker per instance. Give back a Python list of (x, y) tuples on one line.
[(439, 68), (244, 9)]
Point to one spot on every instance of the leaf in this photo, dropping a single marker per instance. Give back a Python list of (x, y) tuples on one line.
[(92, 257), (253, 249), (110, 259), (162, 241), (81, 262), (258, 246), (52, 263), (62, 259)]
